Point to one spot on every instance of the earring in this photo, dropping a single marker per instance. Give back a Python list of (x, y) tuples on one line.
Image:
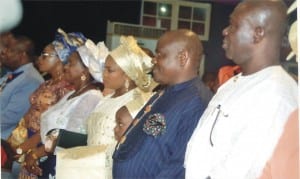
[(83, 78), (126, 85)]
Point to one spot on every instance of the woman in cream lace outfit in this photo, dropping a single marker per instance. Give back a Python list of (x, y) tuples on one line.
[(126, 71)]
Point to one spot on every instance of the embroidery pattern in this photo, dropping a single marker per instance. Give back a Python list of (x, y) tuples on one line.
[(137, 120), (155, 125)]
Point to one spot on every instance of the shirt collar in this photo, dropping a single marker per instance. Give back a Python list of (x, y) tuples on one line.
[(182, 85), (23, 68)]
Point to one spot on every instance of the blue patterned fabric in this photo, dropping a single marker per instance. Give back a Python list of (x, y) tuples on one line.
[(64, 44), (148, 155), (48, 167)]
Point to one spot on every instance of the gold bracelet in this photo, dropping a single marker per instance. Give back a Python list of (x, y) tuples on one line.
[(28, 151), (34, 156)]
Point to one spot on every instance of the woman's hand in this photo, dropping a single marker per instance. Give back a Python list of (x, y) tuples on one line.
[(31, 163)]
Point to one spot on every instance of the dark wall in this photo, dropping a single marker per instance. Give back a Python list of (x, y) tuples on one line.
[(215, 56), (41, 19)]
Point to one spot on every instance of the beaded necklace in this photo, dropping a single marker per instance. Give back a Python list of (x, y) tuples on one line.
[(147, 109), (76, 93)]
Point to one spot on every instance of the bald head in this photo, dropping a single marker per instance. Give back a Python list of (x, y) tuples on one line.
[(254, 36), (268, 14), (178, 55), (188, 41)]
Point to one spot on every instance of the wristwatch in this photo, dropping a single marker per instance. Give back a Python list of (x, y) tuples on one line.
[(19, 150)]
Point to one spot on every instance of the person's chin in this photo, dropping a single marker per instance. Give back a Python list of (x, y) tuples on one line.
[(156, 78), (104, 82), (67, 78), (228, 54), (42, 70), (117, 138)]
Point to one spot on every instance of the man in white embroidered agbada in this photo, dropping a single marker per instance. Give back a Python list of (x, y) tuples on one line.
[(242, 124)]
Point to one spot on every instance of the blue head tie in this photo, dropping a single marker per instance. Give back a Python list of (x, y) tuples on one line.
[(66, 43)]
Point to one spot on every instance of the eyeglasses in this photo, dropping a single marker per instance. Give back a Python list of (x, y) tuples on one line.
[(215, 121), (45, 54)]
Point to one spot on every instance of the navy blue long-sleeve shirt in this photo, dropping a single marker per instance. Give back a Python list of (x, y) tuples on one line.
[(146, 156)]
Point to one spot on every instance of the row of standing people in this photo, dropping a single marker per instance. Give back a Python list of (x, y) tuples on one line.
[(131, 59), (64, 79), (235, 131)]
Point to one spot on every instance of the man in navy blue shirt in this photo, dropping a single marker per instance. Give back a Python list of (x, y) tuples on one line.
[(154, 144)]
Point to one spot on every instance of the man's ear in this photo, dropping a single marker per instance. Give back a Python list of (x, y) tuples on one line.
[(22, 57), (183, 57), (259, 34)]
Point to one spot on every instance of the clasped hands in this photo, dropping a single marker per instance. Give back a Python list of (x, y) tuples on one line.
[(30, 161)]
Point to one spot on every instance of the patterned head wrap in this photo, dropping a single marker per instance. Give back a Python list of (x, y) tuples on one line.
[(64, 44), (134, 62), (93, 57)]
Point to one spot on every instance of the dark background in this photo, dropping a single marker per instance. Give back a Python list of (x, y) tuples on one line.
[(41, 19)]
